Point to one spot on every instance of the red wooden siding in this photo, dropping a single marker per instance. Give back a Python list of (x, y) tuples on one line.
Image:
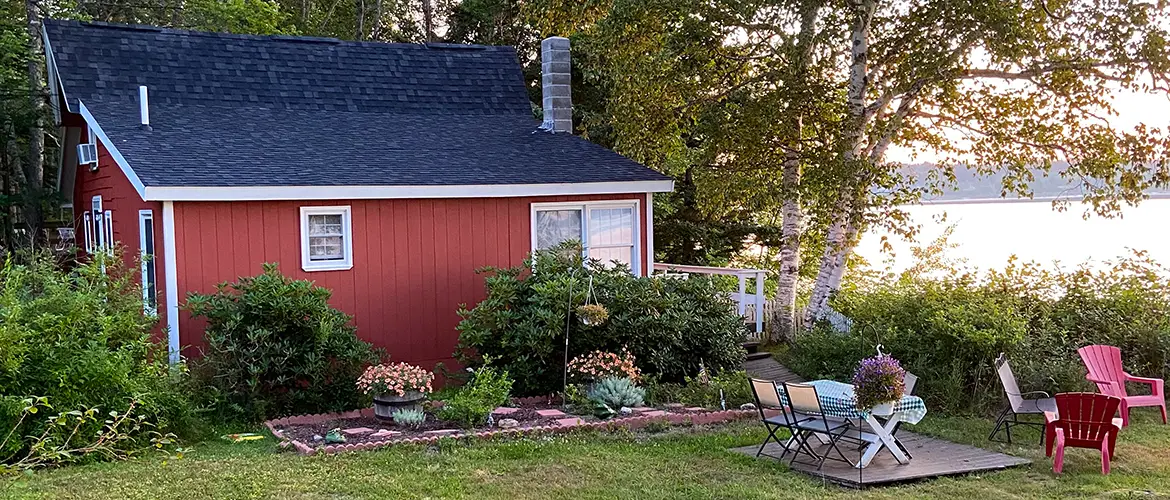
[(122, 200), (414, 260)]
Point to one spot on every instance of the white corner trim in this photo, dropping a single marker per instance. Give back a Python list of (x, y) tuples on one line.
[(649, 234), (344, 264), (262, 193), (171, 273), (114, 153)]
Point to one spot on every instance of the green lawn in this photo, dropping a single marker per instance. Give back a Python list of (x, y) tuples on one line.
[(680, 463)]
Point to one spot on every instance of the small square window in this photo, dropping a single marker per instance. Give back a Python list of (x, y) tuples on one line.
[(326, 239)]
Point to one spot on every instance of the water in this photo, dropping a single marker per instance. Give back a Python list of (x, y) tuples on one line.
[(988, 233)]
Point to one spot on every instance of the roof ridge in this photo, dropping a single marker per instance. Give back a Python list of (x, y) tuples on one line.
[(299, 39)]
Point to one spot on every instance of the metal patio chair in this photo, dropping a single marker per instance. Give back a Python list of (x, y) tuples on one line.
[(767, 397), (810, 420), (1017, 404)]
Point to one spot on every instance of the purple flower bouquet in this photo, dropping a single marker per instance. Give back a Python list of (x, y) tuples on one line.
[(877, 381)]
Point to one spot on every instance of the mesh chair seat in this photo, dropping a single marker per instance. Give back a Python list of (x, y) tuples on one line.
[(1037, 406)]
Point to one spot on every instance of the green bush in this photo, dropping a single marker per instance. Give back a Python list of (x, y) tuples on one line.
[(487, 390), (275, 347), (671, 326), (949, 329), (78, 338), (728, 388)]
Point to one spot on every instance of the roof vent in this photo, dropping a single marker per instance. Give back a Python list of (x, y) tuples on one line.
[(144, 107)]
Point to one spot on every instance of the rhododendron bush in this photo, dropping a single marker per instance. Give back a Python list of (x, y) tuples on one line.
[(670, 327)]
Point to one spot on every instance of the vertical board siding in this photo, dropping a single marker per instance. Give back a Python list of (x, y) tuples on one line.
[(414, 260), (122, 200)]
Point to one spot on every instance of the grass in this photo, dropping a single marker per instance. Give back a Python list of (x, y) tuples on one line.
[(681, 463)]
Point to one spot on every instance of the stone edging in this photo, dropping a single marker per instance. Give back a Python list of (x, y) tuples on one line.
[(635, 422)]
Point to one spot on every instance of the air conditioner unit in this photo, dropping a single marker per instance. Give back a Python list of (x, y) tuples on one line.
[(87, 154)]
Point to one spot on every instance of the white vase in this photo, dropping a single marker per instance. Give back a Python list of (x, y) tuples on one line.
[(883, 410)]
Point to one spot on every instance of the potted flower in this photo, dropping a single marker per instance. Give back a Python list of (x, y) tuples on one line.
[(592, 314), (395, 387), (878, 384)]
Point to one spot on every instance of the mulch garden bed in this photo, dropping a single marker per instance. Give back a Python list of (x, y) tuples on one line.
[(363, 431)]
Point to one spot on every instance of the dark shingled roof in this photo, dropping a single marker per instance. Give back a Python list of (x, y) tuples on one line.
[(242, 110)]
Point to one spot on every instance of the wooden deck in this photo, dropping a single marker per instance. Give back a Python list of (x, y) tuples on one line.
[(932, 457)]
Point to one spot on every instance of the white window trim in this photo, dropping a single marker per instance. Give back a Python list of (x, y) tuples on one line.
[(143, 216), (87, 227), (585, 206), (346, 240)]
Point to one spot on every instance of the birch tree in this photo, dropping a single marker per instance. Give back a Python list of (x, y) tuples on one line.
[(1006, 86)]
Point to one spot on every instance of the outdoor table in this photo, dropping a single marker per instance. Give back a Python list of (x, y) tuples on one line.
[(837, 401)]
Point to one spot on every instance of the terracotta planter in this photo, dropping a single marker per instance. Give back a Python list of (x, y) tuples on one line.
[(386, 404)]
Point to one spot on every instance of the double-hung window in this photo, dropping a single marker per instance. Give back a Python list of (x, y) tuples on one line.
[(608, 231), (326, 239), (98, 226)]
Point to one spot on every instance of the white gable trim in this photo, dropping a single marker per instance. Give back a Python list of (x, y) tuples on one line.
[(92, 123), (259, 193)]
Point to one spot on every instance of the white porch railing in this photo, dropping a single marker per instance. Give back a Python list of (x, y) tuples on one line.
[(749, 306)]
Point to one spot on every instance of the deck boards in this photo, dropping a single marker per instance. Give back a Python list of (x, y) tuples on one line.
[(933, 457)]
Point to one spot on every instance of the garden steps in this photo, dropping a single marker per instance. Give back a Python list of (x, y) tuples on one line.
[(769, 369)]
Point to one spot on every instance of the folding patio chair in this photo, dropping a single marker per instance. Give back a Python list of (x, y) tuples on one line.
[(768, 401), (1017, 405), (810, 419)]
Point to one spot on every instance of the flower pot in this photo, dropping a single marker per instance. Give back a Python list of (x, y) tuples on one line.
[(883, 410), (386, 404)]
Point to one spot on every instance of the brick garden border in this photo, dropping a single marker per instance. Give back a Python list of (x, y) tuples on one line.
[(632, 423)]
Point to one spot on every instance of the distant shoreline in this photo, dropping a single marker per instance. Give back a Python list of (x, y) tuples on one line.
[(1044, 199)]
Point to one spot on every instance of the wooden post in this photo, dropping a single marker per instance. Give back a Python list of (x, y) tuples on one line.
[(759, 302), (742, 291)]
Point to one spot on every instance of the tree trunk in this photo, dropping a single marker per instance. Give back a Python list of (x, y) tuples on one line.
[(361, 20), (428, 21), (35, 164), (784, 318), (6, 192), (844, 226)]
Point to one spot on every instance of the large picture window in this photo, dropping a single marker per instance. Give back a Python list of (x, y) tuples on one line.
[(326, 239), (607, 230)]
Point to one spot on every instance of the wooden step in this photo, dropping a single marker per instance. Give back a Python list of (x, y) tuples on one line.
[(752, 356), (751, 346)]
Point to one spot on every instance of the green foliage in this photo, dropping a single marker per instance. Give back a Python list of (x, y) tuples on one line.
[(275, 347), (672, 327), (949, 329), (487, 390), (729, 387), (81, 435), (611, 394), (409, 417), (79, 339), (255, 17)]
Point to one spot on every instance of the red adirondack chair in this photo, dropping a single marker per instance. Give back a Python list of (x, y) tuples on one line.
[(1085, 421), (1105, 370)]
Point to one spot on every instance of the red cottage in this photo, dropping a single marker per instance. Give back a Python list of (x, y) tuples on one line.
[(385, 172)]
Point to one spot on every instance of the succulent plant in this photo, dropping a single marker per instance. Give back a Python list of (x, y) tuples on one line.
[(409, 417), (611, 394)]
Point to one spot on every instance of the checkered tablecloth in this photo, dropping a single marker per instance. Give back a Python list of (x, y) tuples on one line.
[(837, 401)]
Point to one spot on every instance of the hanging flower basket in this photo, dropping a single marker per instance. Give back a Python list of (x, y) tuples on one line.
[(592, 314), (878, 384)]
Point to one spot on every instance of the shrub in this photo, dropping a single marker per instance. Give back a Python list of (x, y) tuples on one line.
[(409, 417), (398, 378), (275, 347), (79, 339), (600, 365), (487, 390), (671, 326), (611, 394), (949, 328), (728, 388)]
